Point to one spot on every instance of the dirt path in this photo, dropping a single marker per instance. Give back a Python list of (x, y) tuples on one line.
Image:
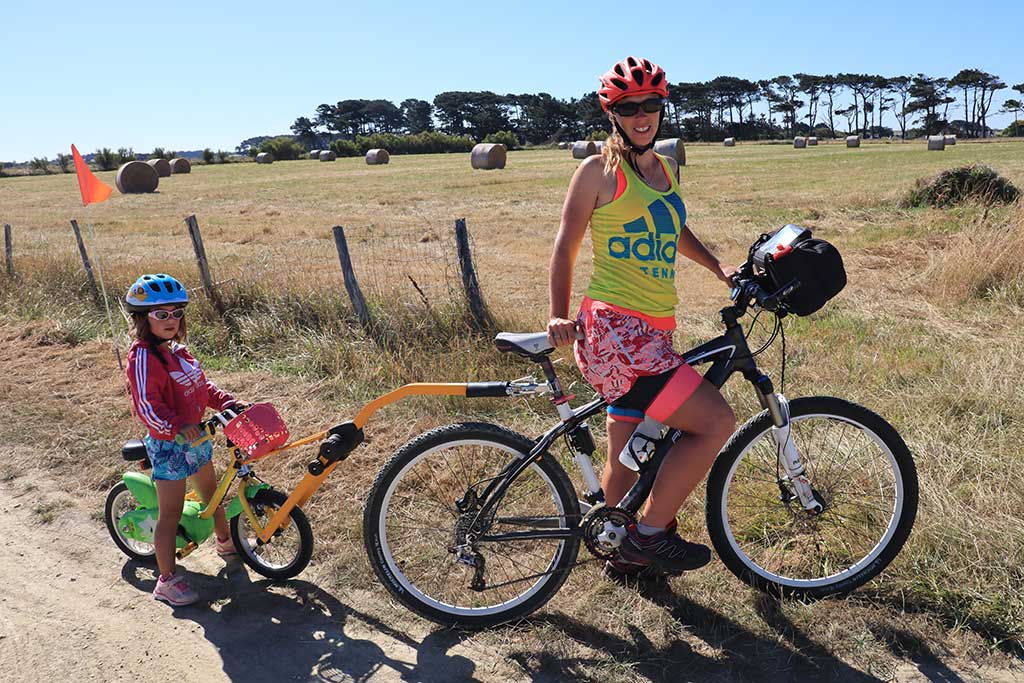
[(73, 607)]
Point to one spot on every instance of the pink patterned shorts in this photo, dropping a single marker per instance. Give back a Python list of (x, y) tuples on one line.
[(617, 348)]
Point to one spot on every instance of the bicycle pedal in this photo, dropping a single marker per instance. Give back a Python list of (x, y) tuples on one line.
[(186, 551)]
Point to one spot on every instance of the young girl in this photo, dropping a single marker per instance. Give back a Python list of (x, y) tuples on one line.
[(170, 394), (629, 197)]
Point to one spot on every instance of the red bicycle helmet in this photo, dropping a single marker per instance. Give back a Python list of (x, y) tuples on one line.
[(630, 77)]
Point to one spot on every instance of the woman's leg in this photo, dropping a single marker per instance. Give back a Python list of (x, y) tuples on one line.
[(206, 484), (617, 479), (170, 495), (708, 422)]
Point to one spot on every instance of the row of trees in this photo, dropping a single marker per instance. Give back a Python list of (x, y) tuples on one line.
[(726, 106)]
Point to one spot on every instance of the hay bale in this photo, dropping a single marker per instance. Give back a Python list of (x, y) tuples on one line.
[(799, 143), (950, 139), (136, 177), (314, 154), (812, 141), (375, 157), (327, 155), (673, 147), (180, 165), (162, 166), (488, 156), (853, 141), (729, 142), (581, 149), (563, 145), (600, 145), (936, 143), (264, 158)]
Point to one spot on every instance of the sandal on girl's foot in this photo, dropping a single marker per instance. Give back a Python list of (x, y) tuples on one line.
[(175, 591), (226, 548)]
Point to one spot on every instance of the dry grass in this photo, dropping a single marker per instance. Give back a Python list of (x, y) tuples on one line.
[(894, 340)]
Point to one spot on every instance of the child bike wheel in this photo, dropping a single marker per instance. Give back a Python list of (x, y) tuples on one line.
[(288, 551), (423, 507), (119, 501), (860, 471)]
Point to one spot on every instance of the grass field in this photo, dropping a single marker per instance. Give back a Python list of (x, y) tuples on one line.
[(927, 333)]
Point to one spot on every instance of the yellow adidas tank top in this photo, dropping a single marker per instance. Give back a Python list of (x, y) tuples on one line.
[(634, 239)]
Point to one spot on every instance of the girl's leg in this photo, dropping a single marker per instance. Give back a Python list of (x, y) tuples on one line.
[(708, 422), (171, 498), (617, 479), (206, 484)]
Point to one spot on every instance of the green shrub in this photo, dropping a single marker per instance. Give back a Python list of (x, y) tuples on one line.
[(598, 135), (345, 148), (283, 148), (956, 185), (1014, 130), (207, 156), (40, 164), (504, 137), (105, 159), (222, 156), (159, 153), (253, 151), (64, 161)]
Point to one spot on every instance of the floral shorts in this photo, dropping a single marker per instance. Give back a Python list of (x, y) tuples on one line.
[(172, 460), (618, 348)]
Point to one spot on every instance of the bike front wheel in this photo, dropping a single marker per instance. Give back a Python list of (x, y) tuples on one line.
[(860, 470), (289, 549), (435, 553)]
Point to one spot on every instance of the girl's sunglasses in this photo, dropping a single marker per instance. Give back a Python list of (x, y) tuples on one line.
[(161, 314), (651, 106)]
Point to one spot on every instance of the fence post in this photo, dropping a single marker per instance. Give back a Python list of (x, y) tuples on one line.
[(469, 279), (7, 250), (204, 267), (351, 284), (85, 262)]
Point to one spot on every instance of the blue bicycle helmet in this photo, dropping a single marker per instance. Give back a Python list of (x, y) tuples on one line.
[(158, 289)]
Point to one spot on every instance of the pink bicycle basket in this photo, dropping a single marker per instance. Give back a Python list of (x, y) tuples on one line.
[(257, 431)]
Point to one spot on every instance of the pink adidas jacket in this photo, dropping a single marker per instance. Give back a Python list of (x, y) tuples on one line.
[(167, 397)]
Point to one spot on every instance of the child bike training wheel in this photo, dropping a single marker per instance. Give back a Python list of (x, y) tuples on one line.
[(430, 546), (120, 501), (861, 472), (289, 549)]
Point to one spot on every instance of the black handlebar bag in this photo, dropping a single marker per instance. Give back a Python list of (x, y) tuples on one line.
[(815, 265)]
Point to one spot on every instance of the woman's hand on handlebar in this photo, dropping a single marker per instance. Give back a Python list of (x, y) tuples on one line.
[(727, 274), (561, 331)]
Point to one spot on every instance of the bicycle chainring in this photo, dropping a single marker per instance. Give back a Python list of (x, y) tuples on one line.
[(604, 529)]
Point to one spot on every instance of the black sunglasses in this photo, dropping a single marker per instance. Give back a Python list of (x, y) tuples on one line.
[(651, 106)]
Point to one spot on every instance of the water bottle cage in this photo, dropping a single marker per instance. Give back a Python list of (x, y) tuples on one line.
[(642, 452)]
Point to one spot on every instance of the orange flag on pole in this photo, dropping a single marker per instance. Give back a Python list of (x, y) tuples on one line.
[(93, 189)]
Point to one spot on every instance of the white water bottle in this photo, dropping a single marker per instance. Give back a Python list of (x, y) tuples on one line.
[(641, 444)]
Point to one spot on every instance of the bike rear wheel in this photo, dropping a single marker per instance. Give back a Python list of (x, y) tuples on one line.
[(859, 468), (119, 501), (412, 526)]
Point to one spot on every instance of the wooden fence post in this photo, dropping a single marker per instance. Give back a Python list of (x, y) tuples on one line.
[(85, 262), (469, 279), (351, 284), (204, 267), (7, 250)]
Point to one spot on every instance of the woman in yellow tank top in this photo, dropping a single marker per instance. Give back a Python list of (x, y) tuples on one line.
[(629, 197)]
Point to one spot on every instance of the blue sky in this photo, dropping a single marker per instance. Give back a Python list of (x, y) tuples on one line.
[(188, 75)]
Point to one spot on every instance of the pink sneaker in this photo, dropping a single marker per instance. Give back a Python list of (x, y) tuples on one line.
[(175, 591), (226, 547)]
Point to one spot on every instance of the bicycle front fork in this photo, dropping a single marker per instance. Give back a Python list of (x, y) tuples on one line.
[(789, 457)]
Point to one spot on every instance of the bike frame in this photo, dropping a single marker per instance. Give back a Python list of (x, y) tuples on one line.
[(727, 354)]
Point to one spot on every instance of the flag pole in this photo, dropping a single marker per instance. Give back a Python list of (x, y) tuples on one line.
[(103, 287)]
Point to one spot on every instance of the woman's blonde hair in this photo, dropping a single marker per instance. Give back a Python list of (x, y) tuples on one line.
[(613, 152)]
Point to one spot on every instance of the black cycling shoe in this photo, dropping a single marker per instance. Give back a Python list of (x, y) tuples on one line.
[(664, 549), (627, 573)]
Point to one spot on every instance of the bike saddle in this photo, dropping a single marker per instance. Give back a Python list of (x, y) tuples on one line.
[(134, 450), (525, 344)]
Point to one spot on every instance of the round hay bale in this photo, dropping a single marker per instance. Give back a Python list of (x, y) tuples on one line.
[(314, 154), (853, 141), (936, 143), (673, 147), (162, 166), (375, 157), (799, 143), (327, 155), (729, 142), (563, 145), (136, 177), (264, 158), (180, 165), (581, 149), (488, 156), (950, 139), (600, 145), (812, 141)]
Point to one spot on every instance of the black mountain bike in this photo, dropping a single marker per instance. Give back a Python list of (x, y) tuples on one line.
[(472, 524)]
